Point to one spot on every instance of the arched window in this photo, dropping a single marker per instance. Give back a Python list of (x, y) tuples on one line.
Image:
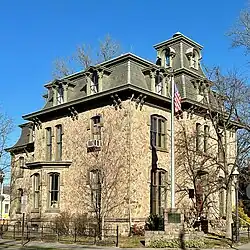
[(195, 59), (60, 94), (158, 83), (198, 137), (167, 58), (158, 131), (94, 86), (21, 167)]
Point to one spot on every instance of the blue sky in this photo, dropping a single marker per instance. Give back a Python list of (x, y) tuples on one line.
[(35, 33)]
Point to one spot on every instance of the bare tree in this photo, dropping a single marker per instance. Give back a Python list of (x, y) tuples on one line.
[(228, 112), (240, 34), (6, 127), (101, 185), (84, 56), (197, 171)]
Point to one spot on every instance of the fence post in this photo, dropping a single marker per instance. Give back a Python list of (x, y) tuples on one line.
[(23, 230), (75, 233), (27, 230), (232, 230), (248, 231), (42, 233), (117, 236), (14, 232)]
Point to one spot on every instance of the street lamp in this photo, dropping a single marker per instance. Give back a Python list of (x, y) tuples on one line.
[(235, 175)]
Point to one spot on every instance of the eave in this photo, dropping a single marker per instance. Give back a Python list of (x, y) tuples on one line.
[(29, 147)]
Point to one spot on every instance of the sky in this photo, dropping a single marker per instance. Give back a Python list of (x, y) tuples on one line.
[(35, 33)]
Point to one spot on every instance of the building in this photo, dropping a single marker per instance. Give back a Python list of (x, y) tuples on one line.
[(91, 148)]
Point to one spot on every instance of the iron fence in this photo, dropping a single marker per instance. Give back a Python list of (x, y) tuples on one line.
[(70, 232)]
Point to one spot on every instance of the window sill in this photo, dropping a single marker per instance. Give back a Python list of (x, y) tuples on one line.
[(160, 149), (35, 210), (53, 210)]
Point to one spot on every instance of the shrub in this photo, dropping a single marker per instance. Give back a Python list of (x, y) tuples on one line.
[(62, 223), (155, 223), (161, 243), (138, 230)]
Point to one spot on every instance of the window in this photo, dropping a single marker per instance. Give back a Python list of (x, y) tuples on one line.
[(36, 190), (195, 60), (167, 58), (59, 142), (54, 190), (31, 134), (158, 84), (158, 191), (94, 86), (201, 191), (198, 137), (21, 166), (48, 144), (95, 186), (96, 127), (60, 94), (221, 202), (206, 137), (158, 130), (221, 153), (19, 200), (6, 208)]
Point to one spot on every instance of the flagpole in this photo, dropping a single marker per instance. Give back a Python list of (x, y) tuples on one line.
[(172, 144)]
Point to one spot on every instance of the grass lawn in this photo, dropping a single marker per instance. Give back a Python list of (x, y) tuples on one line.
[(131, 242)]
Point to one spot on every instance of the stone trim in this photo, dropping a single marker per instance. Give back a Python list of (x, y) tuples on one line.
[(48, 164)]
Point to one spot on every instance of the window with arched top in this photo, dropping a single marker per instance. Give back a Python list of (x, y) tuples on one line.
[(158, 83), (60, 94), (94, 86), (158, 131), (20, 170), (198, 137), (195, 59), (167, 58)]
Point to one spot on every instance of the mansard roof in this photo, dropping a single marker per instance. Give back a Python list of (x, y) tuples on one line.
[(23, 141)]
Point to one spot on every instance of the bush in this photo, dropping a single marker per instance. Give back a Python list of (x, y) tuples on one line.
[(176, 243), (155, 223), (62, 224), (138, 230)]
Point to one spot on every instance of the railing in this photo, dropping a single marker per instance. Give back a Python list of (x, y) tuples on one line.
[(68, 233)]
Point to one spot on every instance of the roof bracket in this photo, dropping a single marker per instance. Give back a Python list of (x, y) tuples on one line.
[(73, 113), (37, 123)]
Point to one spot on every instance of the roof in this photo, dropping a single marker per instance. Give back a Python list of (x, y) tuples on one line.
[(176, 37)]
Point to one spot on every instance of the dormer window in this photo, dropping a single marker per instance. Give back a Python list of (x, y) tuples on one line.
[(167, 58), (195, 60), (158, 84), (94, 86), (60, 94)]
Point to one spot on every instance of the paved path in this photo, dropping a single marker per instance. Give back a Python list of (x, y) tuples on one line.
[(15, 245)]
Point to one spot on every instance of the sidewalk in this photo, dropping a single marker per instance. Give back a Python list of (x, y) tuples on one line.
[(39, 245)]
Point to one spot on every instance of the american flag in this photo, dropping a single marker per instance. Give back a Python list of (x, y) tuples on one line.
[(177, 100)]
